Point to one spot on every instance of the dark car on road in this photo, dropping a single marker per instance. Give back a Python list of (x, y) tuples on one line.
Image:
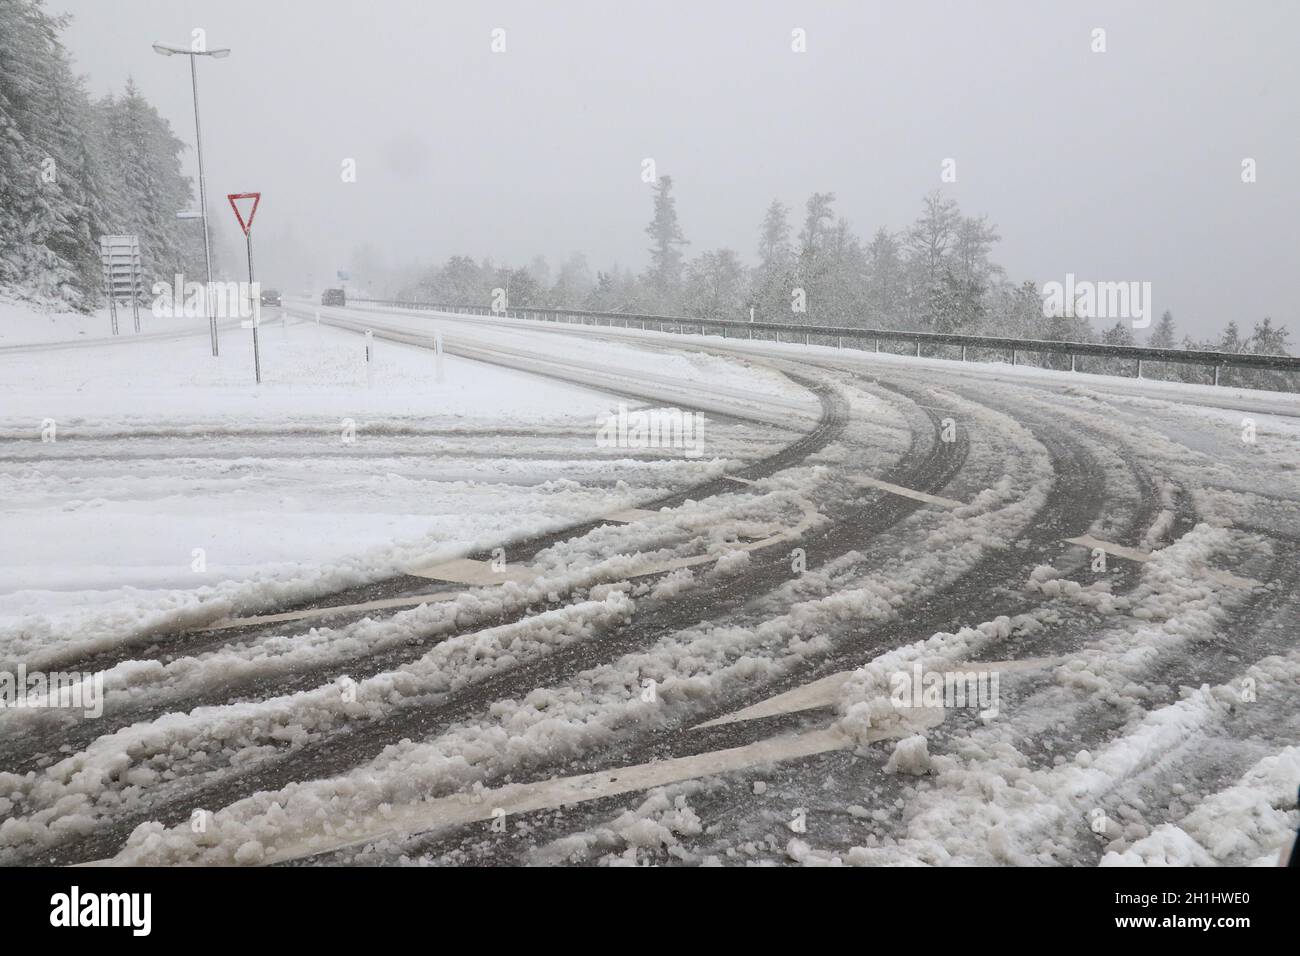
[(333, 297), (270, 297)]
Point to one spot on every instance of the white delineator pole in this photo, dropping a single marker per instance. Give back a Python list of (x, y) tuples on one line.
[(370, 347), (437, 356)]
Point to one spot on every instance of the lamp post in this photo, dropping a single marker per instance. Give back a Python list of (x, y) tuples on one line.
[(163, 49)]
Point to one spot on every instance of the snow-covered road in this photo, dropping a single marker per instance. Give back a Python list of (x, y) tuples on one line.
[(739, 669)]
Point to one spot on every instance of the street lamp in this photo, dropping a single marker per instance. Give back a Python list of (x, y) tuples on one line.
[(162, 49)]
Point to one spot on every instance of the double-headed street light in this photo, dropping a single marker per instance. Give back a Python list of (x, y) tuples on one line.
[(163, 49)]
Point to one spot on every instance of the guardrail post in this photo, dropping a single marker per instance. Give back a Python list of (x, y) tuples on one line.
[(918, 348), (877, 344), (1216, 375), (1013, 357), (1139, 369), (1071, 361)]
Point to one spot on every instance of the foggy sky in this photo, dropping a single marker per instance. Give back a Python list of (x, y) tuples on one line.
[(1116, 166)]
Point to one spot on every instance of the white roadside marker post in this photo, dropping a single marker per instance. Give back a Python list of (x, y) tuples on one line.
[(370, 346), (437, 356)]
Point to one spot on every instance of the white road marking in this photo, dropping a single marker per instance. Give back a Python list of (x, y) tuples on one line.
[(908, 492), (474, 573), (628, 515), (1136, 554), (1233, 581), (480, 573), (462, 808), (820, 693), (1118, 550), (229, 622), (1022, 664), (825, 692)]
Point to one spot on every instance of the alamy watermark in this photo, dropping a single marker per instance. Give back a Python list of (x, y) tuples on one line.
[(72, 690), (74, 908), (653, 428), (190, 300), (1086, 299), (946, 689)]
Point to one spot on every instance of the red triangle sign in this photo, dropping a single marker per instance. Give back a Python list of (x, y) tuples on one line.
[(256, 198)]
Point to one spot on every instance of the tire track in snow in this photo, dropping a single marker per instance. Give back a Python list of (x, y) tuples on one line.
[(1144, 497), (1077, 491), (829, 428), (341, 752)]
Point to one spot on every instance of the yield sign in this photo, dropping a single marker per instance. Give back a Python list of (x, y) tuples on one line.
[(255, 197)]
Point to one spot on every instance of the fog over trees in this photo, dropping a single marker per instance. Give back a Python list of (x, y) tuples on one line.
[(937, 274)]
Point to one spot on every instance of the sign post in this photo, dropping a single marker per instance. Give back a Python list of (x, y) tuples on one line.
[(247, 226)]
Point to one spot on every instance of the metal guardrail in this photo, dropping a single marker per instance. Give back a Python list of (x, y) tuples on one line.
[(1013, 347)]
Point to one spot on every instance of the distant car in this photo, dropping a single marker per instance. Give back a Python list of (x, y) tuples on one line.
[(271, 297), (333, 297)]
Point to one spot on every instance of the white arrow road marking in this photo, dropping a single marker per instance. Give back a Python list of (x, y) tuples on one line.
[(477, 573), (820, 693), (1136, 554), (907, 492), (461, 808), (825, 692), (480, 573)]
